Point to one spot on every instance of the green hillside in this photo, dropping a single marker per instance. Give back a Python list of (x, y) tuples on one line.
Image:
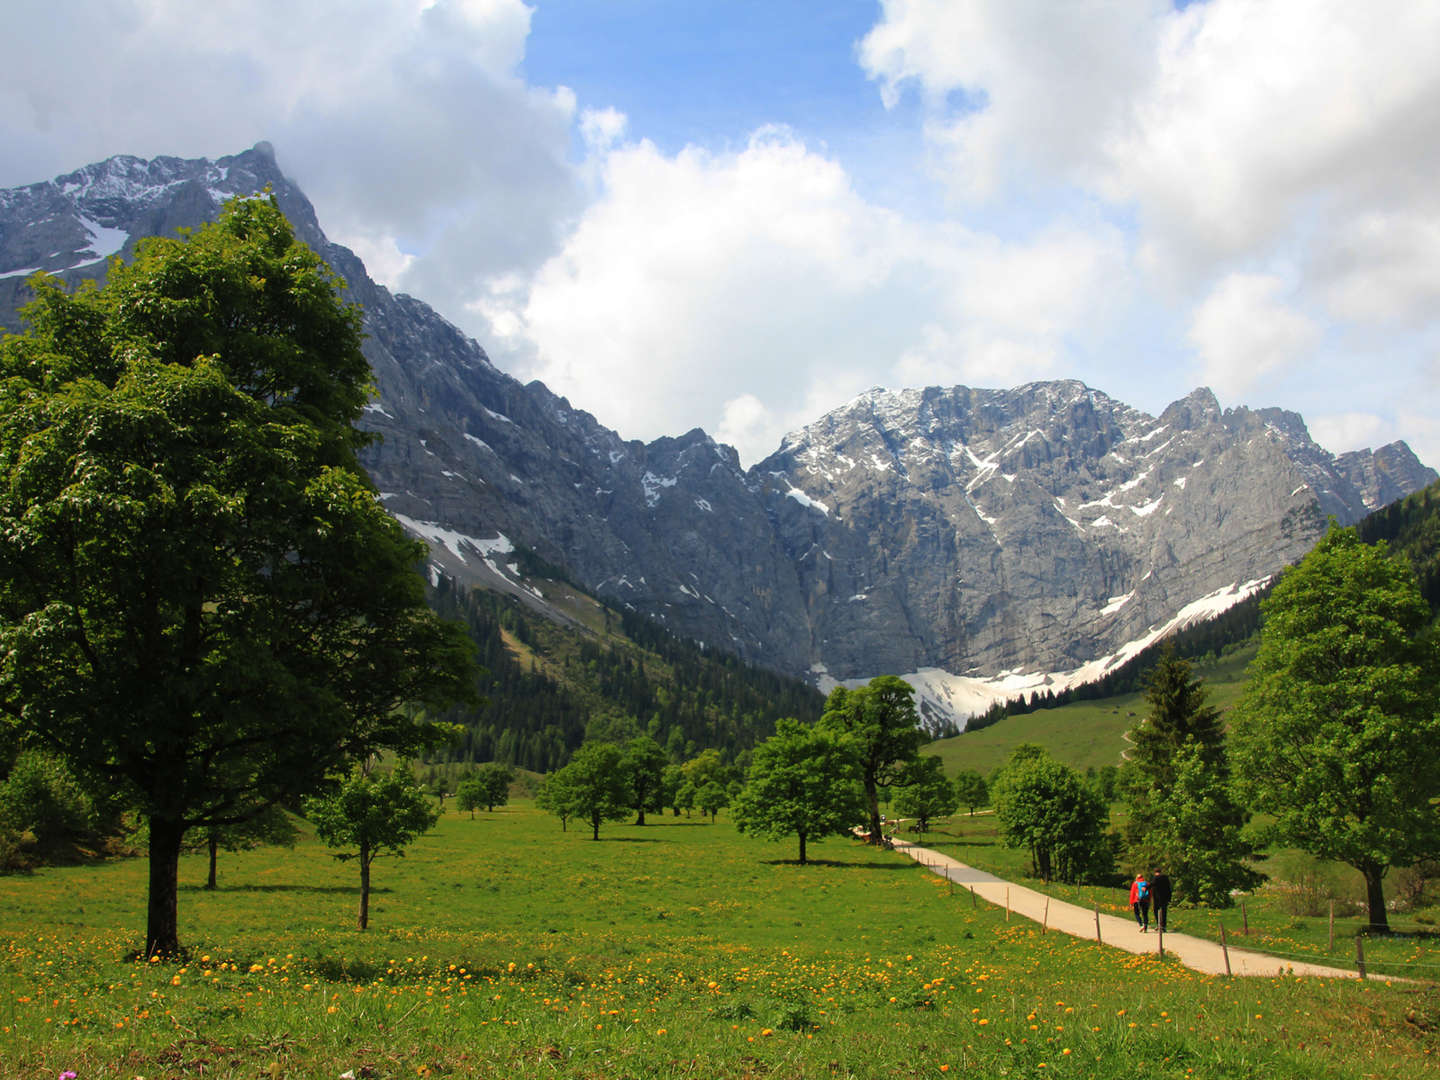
[(1083, 734), (548, 685)]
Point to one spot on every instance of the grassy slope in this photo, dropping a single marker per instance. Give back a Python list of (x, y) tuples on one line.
[(505, 947), (1082, 734)]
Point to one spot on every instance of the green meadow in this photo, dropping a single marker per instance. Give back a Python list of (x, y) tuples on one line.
[(502, 946)]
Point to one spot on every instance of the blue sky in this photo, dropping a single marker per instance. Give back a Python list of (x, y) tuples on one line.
[(738, 215)]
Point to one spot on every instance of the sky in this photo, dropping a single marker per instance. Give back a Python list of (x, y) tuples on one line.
[(738, 215)]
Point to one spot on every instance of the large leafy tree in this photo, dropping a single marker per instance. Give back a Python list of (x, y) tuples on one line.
[(1046, 807), (1181, 811), (802, 782), (1337, 734), (644, 767), (201, 600), (370, 816), (880, 718), (593, 787)]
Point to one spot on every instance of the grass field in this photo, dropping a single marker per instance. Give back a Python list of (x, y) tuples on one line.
[(1082, 734), (504, 947)]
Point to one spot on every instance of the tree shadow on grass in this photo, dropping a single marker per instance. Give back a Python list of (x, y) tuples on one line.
[(839, 864), (633, 840), (317, 889)]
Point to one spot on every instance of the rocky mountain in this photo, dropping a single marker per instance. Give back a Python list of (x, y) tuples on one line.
[(952, 532)]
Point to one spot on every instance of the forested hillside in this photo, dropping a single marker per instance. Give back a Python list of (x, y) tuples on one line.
[(547, 686), (1411, 526)]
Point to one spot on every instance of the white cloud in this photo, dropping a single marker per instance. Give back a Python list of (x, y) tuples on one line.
[(1246, 333), (760, 279), (405, 122)]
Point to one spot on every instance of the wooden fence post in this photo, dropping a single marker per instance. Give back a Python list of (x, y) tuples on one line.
[(1244, 919), (1007, 903), (1160, 943), (1360, 954), (1097, 922), (1225, 948), (973, 902), (1331, 946), (1045, 919)]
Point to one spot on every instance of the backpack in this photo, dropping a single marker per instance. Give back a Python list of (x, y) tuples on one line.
[(1143, 892)]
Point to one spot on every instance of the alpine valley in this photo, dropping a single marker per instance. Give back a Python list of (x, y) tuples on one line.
[(982, 542)]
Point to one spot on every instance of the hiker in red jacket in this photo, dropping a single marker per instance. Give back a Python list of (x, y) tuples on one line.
[(1140, 901)]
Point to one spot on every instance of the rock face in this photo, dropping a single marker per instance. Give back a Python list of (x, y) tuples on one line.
[(975, 531)]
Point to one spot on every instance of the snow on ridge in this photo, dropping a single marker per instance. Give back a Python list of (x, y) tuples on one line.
[(1115, 603), (479, 442), (653, 484), (496, 416), (435, 533), (963, 696), (807, 502), (25, 272)]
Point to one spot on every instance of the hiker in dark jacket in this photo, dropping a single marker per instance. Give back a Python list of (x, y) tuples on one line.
[(1160, 896)]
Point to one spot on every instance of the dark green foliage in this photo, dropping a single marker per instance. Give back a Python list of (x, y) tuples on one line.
[(1338, 734), (44, 811), (1181, 812), (1044, 806), (1411, 527), (202, 603), (593, 787), (881, 721), (370, 816), (685, 697), (925, 793), (803, 782), (644, 765)]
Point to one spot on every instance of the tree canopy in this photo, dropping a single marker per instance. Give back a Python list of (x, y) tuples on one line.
[(202, 602), (1044, 806), (880, 718), (1337, 733), (374, 816), (594, 787), (802, 782)]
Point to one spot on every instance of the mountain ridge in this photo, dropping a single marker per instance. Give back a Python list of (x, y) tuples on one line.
[(974, 532)]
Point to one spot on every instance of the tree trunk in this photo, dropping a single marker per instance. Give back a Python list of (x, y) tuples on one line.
[(162, 936), (872, 797), (363, 920), (802, 849), (1375, 897), (640, 816), (214, 846), (595, 826)]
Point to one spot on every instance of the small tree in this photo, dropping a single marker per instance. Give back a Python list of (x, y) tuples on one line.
[(495, 779), (880, 718), (971, 789), (1045, 806), (644, 766), (269, 826), (803, 782), (375, 816), (593, 787), (1337, 732), (925, 794), (712, 798), (470, 794)]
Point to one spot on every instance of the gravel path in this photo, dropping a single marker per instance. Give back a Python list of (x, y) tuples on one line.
[(1196, 953)]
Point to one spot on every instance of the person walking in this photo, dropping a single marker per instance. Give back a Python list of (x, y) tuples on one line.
[(1160, 893), (1140, 901)]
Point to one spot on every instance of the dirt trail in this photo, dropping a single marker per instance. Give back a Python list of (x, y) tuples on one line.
[(1195, 953)]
